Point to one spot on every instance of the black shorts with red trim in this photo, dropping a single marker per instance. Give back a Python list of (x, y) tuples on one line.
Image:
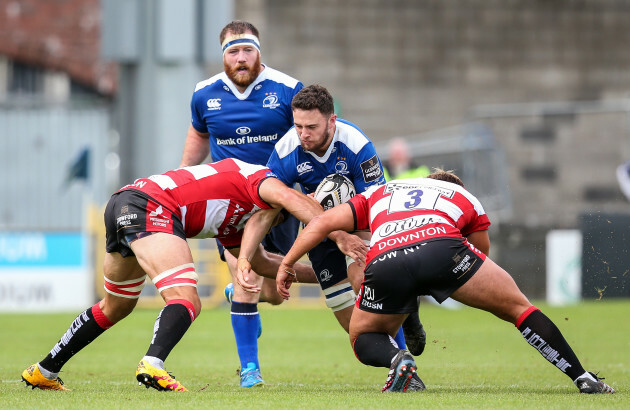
[(438, 267), (130, 214)]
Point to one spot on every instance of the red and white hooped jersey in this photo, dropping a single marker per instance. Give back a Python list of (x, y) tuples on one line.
[(211, 200), (406, 211)]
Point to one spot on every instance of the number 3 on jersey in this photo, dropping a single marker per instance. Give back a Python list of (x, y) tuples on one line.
[(407, 200)]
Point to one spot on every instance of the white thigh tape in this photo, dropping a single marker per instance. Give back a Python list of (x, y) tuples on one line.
[(339, 296)]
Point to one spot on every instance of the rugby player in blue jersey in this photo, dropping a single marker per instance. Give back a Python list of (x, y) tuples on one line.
[(241, 113), (321, 144)]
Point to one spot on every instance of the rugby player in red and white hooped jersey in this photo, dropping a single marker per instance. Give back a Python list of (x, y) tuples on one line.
[(429, 237), (403, 213), (147, 224)]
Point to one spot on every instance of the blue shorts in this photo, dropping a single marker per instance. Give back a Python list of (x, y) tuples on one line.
[(329, 264)]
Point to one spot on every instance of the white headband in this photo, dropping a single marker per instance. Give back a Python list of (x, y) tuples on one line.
[(239, 39)]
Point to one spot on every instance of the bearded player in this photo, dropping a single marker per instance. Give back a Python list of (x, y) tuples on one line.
[(321, 144), (241, 113)]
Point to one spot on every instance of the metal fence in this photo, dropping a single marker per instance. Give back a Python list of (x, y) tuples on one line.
[(38, 146)]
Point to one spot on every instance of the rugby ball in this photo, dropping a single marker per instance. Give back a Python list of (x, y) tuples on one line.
[(335, 189)]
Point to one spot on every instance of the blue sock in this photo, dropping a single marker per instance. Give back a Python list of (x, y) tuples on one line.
[(245, 324), (400, 339)]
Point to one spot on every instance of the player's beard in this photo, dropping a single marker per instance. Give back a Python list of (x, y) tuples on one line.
[(243, 78), (319, 147)]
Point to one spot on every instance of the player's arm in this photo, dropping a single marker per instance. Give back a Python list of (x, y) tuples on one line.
[(266, 264), (278, 195), (252, 255), (305, 208), (480, 240), (255, 230), (196, 147), (337, 218)]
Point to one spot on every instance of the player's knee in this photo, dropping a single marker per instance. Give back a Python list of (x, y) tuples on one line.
[(339, 296), (193, 308), (116, 309), (196, 305), (269, 294), (272, 299), (243, 296), (374, 349)]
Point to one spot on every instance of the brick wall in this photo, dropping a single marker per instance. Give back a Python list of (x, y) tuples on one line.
[(403, 66), (61, 35)]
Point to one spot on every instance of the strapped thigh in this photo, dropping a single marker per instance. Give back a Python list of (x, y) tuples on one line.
[(339, 296), (182, 275), (129, 289)]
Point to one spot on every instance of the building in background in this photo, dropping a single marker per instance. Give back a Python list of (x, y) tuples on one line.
[(546, 81)]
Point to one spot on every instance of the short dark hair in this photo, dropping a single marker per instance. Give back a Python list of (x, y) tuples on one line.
[(448, 176), (238, 27), (314, 97)]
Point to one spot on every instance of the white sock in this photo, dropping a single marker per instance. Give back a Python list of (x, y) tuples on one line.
[(47, 374), (154, 361), (586, 374)]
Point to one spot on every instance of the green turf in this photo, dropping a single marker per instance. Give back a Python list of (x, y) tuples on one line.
[(472, 361)]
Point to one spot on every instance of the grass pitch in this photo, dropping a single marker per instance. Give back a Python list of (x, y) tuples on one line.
[(472, 360)]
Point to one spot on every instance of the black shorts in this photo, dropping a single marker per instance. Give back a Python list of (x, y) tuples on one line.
[(130, 214), (438, 267), (329, 263), (278, 241)]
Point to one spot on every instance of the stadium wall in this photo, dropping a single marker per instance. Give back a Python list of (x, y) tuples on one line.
[(549, 79)]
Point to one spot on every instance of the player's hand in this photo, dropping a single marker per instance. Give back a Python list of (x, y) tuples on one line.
[(312, 196), (285, 277), (352, 246), (244, 278)]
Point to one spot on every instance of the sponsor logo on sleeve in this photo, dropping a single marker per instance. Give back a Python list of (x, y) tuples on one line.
[(371, 169)]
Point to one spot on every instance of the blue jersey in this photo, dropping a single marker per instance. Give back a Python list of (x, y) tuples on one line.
[(350, 153), (244, 125)]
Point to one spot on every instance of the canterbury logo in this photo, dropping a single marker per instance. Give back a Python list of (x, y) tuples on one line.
[(214, 104), (304, 167)]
